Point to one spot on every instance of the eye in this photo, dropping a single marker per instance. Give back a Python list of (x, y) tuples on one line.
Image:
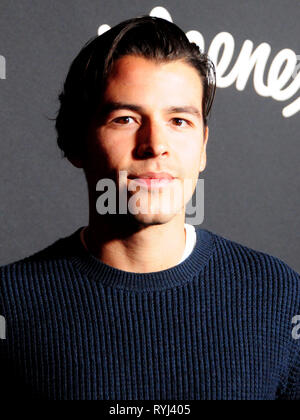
[(123, 120), (180, 122)]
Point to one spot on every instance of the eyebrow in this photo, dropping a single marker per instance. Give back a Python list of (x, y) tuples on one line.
[(109, 107)]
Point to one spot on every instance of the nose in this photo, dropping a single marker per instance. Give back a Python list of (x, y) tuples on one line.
[(151, 141)]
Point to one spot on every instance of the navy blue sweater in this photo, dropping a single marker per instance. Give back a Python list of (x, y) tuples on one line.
[(217, 326)]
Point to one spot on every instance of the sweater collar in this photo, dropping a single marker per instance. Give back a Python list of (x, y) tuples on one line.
[(178, 275)]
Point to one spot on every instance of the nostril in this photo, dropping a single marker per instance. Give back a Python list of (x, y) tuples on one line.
[(147, 150), (144, 151)]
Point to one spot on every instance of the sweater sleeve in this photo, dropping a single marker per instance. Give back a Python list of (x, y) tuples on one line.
[(292, 390), (292, 387)]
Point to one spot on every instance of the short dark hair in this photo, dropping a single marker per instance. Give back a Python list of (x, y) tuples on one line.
[(150, 37)]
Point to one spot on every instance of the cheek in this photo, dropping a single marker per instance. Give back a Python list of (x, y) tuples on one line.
[(108, 148), (191, 155)]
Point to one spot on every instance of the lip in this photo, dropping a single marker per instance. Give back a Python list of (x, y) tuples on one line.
[(152, 179), (152, 175)]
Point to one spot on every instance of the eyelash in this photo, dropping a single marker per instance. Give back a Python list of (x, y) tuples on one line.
[(117, 120)]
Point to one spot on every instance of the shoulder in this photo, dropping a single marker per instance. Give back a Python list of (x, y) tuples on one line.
[(232, 249), (245, 263), (41, 263)]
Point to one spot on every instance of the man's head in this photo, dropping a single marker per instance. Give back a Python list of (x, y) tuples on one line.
[(149, 37), (136, 100)]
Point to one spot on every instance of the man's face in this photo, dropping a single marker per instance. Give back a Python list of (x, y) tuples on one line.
[(150, 125)]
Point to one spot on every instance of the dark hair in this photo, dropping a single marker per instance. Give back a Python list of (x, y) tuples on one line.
[(150, 37)]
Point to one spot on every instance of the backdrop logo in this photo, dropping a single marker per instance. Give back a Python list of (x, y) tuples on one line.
[(297, 68), (283, 78), (2, 328), (2, 67)]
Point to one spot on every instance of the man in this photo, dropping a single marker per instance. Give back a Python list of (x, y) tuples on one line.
[(139, 305)]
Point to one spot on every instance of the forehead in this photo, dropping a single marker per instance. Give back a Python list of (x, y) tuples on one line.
[(169, 83)]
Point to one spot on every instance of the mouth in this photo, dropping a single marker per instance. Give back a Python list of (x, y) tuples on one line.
[(152, 179)]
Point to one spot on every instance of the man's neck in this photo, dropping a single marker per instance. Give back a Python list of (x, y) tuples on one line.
[(147, 249)]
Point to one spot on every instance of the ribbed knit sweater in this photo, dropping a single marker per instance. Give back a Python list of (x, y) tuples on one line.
[(218, 326)]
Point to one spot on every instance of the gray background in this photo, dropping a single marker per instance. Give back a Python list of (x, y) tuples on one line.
[(252, 175)]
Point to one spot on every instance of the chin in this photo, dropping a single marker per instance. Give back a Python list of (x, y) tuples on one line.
[(144, 220), (152, 219), (155, 207), (157, 217)]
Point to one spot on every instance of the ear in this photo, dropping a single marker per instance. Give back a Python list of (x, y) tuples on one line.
[(77, 162), (203, 151)]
